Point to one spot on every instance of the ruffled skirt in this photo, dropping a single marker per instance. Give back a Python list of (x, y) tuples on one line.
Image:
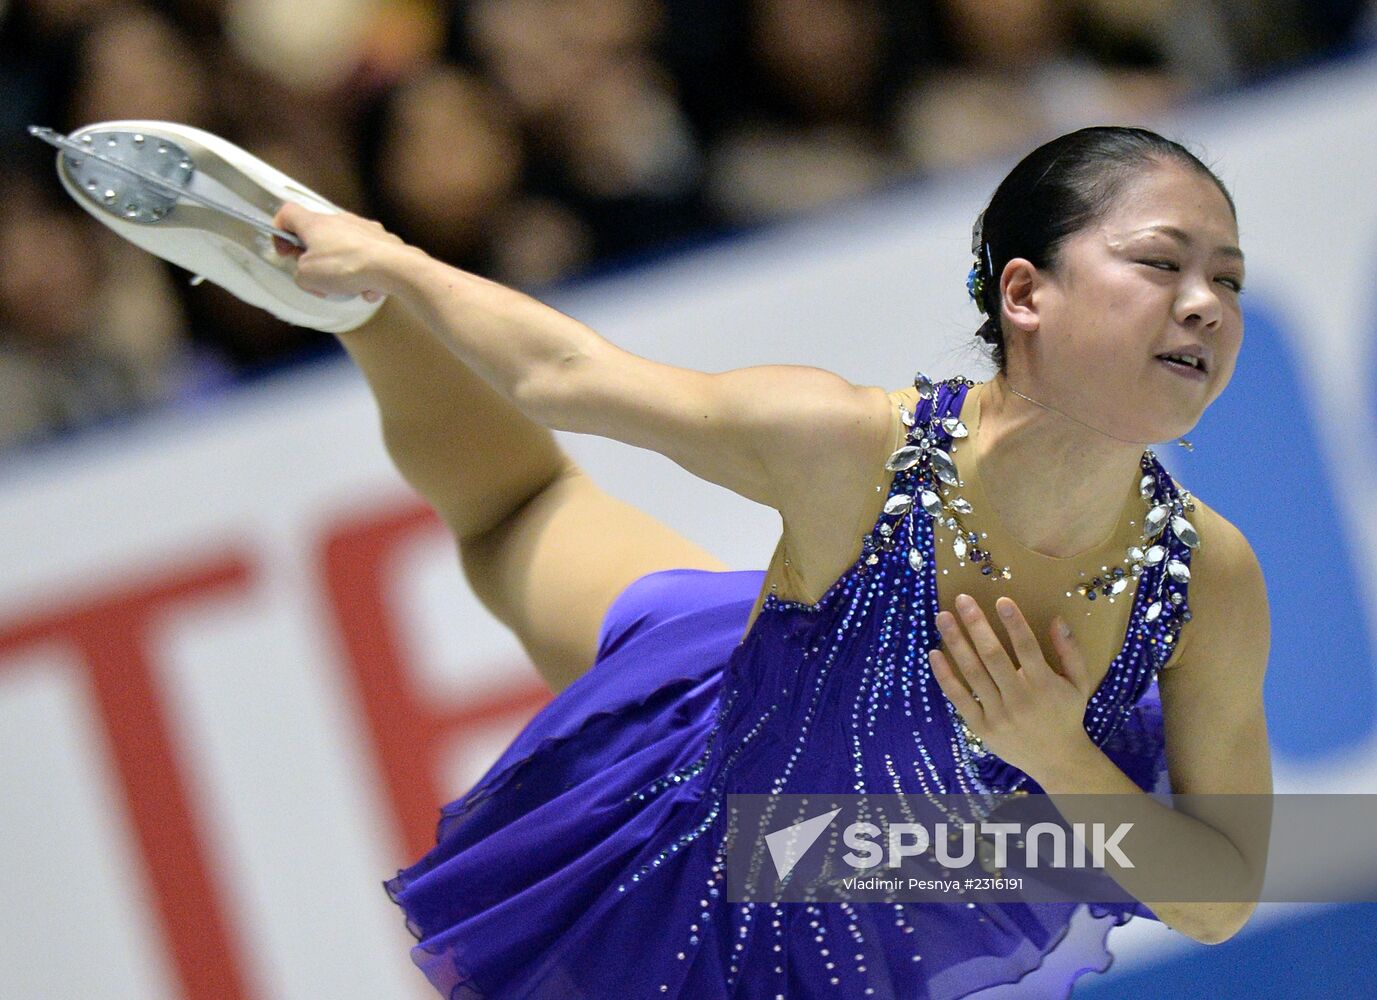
[(558, 876)]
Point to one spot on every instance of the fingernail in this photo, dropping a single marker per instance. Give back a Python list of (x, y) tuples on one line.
[(1065, 629), (965, 602), (1006, 608)]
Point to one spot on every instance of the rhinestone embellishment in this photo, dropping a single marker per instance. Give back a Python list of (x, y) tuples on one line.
[(925, 451), (852, 665)]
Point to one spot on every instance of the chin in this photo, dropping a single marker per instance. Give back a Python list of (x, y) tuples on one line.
[(1184, 422), (1166, 420)]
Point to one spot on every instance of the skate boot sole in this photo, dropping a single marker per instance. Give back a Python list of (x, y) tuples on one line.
[(206, 205)]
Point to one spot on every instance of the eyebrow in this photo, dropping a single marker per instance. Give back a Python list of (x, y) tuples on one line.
[(1185, 237)]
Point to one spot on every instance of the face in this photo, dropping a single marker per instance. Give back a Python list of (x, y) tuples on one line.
[(1128, 289), (447, 163)]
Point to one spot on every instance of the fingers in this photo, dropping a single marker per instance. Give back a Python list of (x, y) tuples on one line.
[(953, 688), (285, 249), (985, 649), (1073, 666), (1027, 649), (339, 248), (967, 660), (984, 663), (292, 217)]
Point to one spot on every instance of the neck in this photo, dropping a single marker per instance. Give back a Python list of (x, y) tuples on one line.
[(1063, 482)]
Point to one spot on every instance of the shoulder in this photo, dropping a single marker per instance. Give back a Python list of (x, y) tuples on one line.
[(839, 434), (870, 427), (1227, 593), (1214, 716), (1225, 558), (906, 397), (829, 410), (848, 432), (827, 500)]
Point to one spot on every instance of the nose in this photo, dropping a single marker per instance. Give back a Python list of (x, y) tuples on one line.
[(1199, 303)]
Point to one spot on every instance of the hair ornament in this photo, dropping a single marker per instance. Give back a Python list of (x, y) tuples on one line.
[(977, 279), (975, 285)]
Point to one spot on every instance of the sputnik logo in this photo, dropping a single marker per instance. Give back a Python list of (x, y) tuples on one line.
[(789, 845)]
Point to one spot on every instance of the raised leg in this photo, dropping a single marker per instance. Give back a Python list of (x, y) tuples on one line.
[(543, 547), (474, 456)]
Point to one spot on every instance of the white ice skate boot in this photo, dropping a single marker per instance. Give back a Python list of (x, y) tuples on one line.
[(202, 203)]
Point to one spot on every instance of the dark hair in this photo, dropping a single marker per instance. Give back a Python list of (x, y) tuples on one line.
[(1056, 191)]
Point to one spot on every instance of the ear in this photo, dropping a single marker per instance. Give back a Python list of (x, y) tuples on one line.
[(1019, 288)]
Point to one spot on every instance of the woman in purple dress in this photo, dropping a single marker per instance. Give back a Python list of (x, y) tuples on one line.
[(979, 588), (980, 518)]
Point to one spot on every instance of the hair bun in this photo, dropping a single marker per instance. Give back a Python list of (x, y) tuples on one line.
[(990, 332)]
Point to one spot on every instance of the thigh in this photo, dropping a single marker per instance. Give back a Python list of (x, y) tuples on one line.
[(552, 569)]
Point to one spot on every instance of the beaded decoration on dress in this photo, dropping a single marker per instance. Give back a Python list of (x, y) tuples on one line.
[(925, 448), (865, 642), (925, 471)]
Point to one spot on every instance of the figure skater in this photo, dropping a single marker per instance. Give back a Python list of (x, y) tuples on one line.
[(978, 587)]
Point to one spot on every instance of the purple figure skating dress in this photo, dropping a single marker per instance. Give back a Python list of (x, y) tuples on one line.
[(587, 862)]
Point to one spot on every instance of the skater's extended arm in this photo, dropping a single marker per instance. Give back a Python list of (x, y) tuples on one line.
[(768, 433)]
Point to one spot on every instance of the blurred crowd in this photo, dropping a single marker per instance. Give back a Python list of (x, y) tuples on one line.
[(533, 141)]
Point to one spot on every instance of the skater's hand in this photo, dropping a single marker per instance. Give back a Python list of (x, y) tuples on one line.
[(344, 254), (1029, 715)]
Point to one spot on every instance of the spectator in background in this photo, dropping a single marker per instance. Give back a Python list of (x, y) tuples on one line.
[(818, 84), (133, 63), (306, 134), (447, 170), (1012, 73), (533, 140), (37, 38), (309, 47), (1015, 70), (611, 158), (87, 332), (1262, 35)]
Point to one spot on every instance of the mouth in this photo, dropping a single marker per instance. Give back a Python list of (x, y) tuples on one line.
[(1186, 365)]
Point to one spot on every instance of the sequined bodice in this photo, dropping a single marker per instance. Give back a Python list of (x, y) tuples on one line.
[(838, 695)]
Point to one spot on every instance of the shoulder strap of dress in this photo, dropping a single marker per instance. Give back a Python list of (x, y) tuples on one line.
[(937, 400), (1167, 607)]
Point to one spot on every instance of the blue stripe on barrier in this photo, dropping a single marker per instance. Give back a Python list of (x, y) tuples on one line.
[(1324, 956), (1258, 463)]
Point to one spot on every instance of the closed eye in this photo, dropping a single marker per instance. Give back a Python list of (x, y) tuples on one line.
[(1167, 265)]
